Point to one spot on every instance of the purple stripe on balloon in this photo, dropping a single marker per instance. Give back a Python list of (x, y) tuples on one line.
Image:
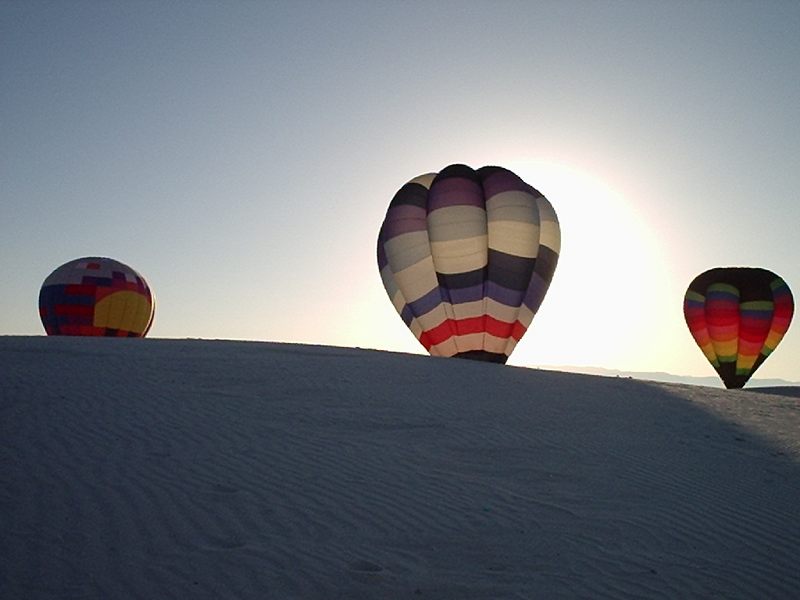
[(406, 315), (382, 260), (455, 191), (398, 227), (756, 313), (510, 271), (497, 180), (475, 293), (694, 304), (427, 303), (536, 291), (405, 211), (513, 298), (722, 296), (503, 295), (404, 219), (457, 281), (467, 294), (411, 194)]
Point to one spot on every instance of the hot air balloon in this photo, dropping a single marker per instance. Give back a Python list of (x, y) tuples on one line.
[(738, 315), (96, 297), (466, 257)]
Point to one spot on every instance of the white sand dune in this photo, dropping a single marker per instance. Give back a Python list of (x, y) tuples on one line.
[(161, 469)]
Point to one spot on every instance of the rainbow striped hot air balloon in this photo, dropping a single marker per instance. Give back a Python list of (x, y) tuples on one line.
[(466, 257), (738, 316), (96, 297)]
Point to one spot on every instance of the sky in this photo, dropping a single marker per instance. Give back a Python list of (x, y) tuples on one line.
[(241, 156)]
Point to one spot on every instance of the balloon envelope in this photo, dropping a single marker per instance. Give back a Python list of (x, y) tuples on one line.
[(96, 297), (738, 315), (466, 257)]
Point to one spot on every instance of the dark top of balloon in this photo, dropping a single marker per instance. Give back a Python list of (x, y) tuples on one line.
[(753, 283), (490, 179)]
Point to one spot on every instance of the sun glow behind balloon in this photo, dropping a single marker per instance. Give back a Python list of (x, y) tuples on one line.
[(610, 297), (615, 299)]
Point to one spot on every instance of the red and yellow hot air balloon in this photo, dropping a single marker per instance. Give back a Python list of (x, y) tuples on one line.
[(96, 297), (466, 257), (738, 316)]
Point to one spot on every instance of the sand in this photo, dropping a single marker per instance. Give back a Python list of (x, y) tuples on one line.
[(211, 469)]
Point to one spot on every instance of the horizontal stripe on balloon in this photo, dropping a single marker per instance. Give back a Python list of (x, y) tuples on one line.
[(723, 332), (59, 296), (404, 219), (513, 206), (406, 250), (455, 185), (536, 292), (504, 271), (451, 281), (99, 281), (765, 306), (546, 262), (459, 256), (411, 194), (496, 180), (457, 223), (78, 289), (388, 282), (514, 238), (427, 303), (450, 193), (509, 271), (417, 280), (549, 230), (708, 350), (494, 292), (466, 310), (504, 295), (483, 324), (717, 303), (73, 310), (473, 342), (692, 297), (781, 323), (723, 289)]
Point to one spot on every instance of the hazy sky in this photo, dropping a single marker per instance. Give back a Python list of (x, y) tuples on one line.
[(241, 156)]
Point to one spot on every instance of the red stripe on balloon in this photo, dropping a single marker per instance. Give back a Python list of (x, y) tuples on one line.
[(753, 332), (695, 316), (80, 289), (722, 312), (82, 310), (784, 310), (483, 324)]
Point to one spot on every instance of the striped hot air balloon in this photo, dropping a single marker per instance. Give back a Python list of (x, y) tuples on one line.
[(738, 316), (96, 297), (466, 257)]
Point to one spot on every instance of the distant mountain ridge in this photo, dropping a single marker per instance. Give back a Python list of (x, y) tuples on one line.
[(710, 380)]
